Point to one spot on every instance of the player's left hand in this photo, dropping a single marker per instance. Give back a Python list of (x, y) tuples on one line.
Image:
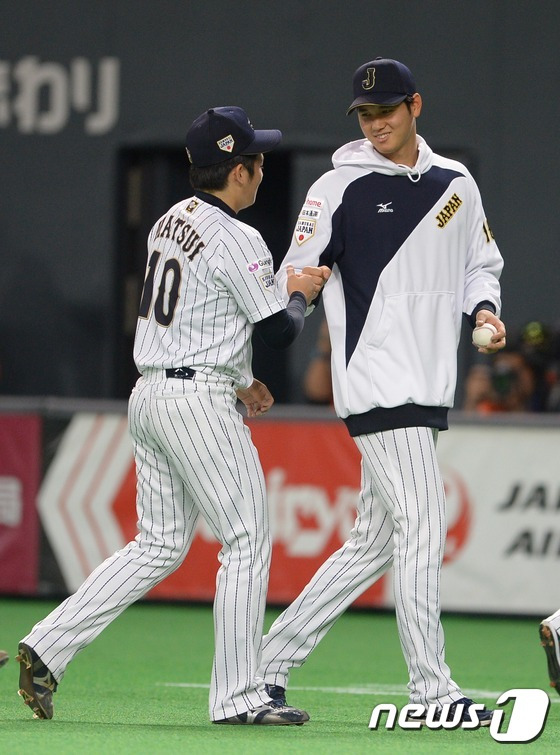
[(498, 339), (257, 398)]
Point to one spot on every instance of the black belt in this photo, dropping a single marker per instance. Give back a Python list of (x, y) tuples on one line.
[(185, 373)]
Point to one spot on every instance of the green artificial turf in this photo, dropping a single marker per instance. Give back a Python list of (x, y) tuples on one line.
[(142, 687)]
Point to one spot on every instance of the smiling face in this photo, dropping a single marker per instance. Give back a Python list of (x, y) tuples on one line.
[(392, 129)]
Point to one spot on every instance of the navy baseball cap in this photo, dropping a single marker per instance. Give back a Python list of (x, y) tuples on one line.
[(225, 132), (381, 82)]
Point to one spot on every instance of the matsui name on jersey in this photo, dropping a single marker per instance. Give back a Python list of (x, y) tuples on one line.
[(178, 230)]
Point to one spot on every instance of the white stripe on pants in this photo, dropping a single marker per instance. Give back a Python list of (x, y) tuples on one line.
[(401, 522), (194, 455)]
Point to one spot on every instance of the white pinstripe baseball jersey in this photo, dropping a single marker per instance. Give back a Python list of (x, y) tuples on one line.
[(209, 282), (209, 278)]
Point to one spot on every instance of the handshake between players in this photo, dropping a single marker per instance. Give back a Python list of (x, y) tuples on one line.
[(309, 281)]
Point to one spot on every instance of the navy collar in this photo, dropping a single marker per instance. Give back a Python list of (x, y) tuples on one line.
[(216, 201)]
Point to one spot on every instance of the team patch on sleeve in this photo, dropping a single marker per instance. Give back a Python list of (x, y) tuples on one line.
[(305, 229), (267, 280)]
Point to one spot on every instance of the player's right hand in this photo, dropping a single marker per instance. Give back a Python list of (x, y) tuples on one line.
[(499, 339), (309, 281), (320, 273)]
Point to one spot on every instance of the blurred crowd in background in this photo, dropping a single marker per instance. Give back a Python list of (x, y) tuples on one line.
[(523, 377)]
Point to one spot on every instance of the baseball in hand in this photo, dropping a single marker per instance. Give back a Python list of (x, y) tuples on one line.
[(481, 336)]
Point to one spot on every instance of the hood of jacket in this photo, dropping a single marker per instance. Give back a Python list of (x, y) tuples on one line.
[(361, 153)]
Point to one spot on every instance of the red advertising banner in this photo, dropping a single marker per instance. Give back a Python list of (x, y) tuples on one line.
[(502, 518), (20, 460), (312, 471)]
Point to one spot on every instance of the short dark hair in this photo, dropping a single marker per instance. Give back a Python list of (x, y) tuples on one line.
[(409, 99), (214, 177)]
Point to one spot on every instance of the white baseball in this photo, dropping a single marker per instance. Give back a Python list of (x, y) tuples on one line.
[(481, 336)]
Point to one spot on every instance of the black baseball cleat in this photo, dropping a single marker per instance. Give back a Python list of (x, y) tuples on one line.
[(277, 695), (36, 682), (269, 715), (483, 717), (4, 658), (551, 645)]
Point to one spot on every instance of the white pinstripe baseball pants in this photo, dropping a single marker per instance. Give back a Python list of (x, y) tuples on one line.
[(194, 455), (401, 523)]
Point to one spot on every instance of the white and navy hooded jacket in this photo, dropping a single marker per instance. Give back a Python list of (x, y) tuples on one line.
[(411, 252)]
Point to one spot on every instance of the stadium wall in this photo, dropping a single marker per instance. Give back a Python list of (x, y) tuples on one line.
[(82, 84)]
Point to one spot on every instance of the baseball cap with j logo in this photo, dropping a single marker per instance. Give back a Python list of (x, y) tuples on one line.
[(381, 82)]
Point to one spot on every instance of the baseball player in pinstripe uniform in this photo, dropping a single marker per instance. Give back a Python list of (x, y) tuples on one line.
[(549, 631), (405, 234), (209, 283)]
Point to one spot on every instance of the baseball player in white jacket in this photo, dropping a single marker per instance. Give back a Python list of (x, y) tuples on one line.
[(411, 253)]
